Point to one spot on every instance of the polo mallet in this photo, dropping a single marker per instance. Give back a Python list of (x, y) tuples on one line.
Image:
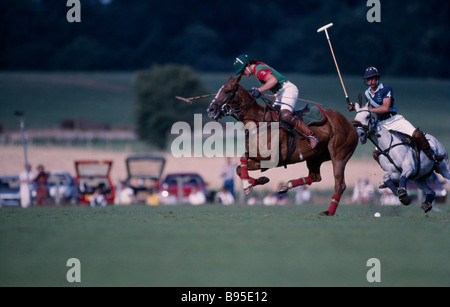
[(190, 99), (324, 28)]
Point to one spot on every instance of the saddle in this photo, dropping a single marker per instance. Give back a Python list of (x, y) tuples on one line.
[(311, 116), (406, 140)]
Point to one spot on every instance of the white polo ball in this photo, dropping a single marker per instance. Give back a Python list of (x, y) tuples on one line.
[(377, 214)]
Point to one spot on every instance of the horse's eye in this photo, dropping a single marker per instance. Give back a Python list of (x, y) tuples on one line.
[(227, 91)]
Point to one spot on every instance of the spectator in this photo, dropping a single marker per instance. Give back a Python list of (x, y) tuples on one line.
[(363, 192), (225, 197), (227, 173), (270, 199), (125, 195), (281, 198), (152, 198), (302, 195), (97, 198), (388, 198), (253, 200), (196, 197), (26, 186), (41, 185)]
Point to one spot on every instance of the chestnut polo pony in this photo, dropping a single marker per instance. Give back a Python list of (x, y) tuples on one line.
[(338, 141)]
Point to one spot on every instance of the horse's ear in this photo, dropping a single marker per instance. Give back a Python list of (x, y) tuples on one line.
[(367, 105), (230, 79), (357, 106)]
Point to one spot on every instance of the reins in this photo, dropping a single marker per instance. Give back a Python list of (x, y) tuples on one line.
[(241, 110), (371, 132)]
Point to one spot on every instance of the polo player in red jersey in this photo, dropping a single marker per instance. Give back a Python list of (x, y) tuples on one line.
[(286, 93)]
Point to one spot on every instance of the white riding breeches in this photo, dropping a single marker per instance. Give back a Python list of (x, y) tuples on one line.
[(287, 96), (398, 123)]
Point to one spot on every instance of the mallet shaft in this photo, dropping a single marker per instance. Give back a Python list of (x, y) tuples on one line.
[(324, 28)]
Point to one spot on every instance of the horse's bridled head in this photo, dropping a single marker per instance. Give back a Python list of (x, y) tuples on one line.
[(362, 135), (363, 115), (214, 110), (219, 105)]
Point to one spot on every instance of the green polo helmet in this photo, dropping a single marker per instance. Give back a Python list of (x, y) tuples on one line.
[(240, 63)]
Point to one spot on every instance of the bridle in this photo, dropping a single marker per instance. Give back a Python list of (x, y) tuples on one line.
[(226, 109), (370, 130)]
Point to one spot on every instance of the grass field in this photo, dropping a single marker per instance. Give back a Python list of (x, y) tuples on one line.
[(214, 245)]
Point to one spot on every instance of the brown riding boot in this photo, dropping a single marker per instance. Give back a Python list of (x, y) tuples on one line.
[(300, 126), (424, 145)]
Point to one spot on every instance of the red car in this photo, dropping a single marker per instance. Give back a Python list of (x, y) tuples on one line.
[(176, 187), (92, 176)]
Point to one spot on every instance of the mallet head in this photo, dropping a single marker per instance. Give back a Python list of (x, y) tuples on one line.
[(324, 28)]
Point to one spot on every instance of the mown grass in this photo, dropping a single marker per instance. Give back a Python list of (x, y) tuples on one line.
[(215, 245)]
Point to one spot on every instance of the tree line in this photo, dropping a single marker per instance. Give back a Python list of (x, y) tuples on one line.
[(411, 39)]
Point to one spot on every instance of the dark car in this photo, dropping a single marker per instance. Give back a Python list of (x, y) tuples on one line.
[(9, 191), (435, 184), (176, 187)]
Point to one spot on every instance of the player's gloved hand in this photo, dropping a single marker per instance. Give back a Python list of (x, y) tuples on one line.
[(350, 106), (255, 92)]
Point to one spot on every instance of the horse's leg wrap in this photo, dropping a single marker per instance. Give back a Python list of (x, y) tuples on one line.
[(391, 185), (402, 182), (298, 182), (334, 204), (294, 183), (246, 179), (244, 168)]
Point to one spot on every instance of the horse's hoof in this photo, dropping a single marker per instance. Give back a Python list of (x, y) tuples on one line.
[(403, 196), (401, 192), (283, 189), (426, 207), (325, 213), (405, 200), (262, 180), (248, 190)]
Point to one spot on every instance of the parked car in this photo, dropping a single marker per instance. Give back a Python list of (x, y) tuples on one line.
[(176, 187), (435, 184), (9, 191), (94, 176), (61, 186), (144, 175)]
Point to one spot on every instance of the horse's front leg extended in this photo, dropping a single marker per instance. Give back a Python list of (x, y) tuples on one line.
[(398, 186), (247, 181), (294, 183)]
